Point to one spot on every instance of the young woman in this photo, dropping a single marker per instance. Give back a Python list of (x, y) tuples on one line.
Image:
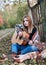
[(33, 35)]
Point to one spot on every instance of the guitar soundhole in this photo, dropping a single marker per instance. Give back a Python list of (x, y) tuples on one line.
[(20, 37)]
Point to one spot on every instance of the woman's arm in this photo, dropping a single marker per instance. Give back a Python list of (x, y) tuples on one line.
[(13, 39), (36, 37)]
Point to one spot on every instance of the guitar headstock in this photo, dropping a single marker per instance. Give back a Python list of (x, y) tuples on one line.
[(19, 27)]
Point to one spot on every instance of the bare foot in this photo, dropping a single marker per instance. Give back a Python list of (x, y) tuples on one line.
[(16, 60)]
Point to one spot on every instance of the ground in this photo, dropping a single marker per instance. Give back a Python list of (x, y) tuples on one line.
[(5, 48)]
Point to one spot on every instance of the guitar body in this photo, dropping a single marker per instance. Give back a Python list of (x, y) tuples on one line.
[(21, 41), (26, 36)]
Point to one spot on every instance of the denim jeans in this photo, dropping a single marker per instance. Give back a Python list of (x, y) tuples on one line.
[(23, 49)]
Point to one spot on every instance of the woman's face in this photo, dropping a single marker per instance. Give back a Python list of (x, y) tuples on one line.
[(26, 23)]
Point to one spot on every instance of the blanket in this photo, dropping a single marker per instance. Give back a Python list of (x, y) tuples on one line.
[(31, 55)]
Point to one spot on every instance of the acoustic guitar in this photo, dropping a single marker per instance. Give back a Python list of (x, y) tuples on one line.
[(22, 40)]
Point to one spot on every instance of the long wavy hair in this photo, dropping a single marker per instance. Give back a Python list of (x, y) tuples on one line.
[(30, 22)]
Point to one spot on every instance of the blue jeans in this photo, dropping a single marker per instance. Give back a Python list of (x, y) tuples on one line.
[(23, 49)]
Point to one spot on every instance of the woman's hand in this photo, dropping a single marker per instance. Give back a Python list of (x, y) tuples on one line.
[(30, 42), (20, 33)]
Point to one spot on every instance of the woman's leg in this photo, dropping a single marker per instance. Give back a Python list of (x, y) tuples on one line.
[(29, 48), (14, 49)]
